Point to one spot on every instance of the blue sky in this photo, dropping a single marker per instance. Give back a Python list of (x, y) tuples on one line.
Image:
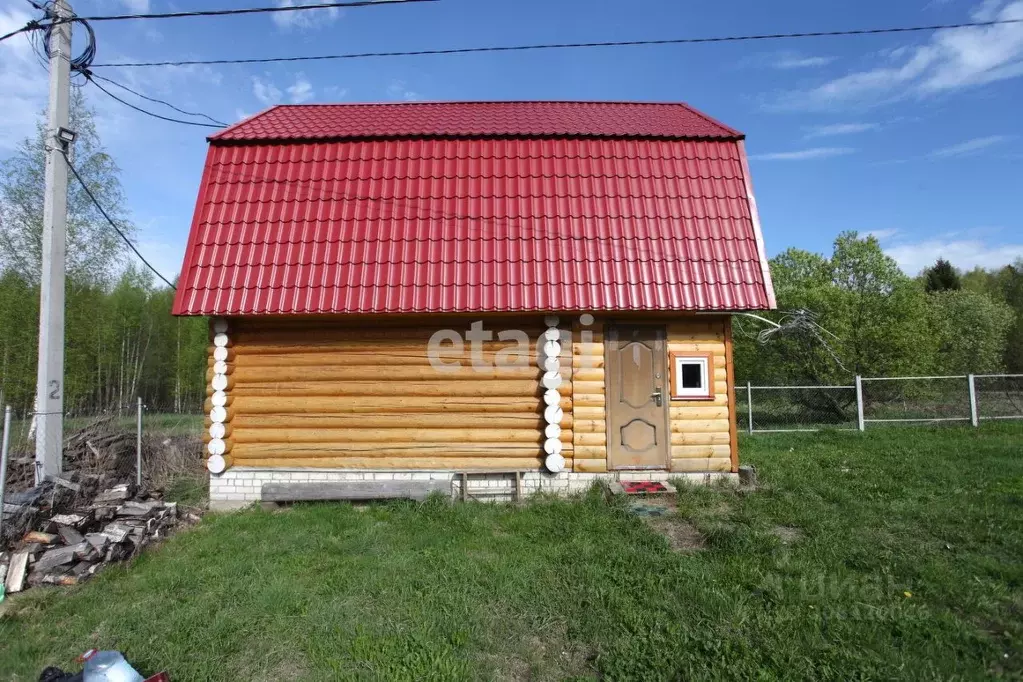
[(914, 137)]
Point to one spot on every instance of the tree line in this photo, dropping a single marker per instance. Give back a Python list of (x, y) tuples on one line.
[(856, 312)]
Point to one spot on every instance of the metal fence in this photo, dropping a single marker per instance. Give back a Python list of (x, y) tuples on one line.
[(968, 399)]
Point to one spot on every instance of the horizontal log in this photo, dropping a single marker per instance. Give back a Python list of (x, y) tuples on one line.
[(414, 420), (215, 462), (683, 451), (594, 349), (399, 437), (210, 362), (371, 450), (208, 403), (682, 334), (590, 452), (717, 350), (285, 406), (588, 387), (453, 464), (681, 415), (700, 325), (588, 425), (372, 356), (588, 361), (589, 466), (386, 389), (580, 399), (701, 464), (587, 439), (340, 372), (705, 426), (716, 438), (591, 375), (227, 355), (587, 412)]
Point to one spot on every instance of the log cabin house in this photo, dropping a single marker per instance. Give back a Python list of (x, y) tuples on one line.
[(413, 291)]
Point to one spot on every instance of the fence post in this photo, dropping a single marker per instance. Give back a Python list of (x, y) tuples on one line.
[(860, 424), (138, 446), (974, 417), (5, 443), (749, 406)]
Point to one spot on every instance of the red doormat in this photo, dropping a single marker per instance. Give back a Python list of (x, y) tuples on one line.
[(642, 488)]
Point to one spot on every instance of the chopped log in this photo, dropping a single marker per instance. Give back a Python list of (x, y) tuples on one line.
[(40, 537), (380, 490), (16, 572), (69, 535), (58, 557)]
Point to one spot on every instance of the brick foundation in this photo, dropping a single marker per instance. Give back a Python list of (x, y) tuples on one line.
[(239, 486)]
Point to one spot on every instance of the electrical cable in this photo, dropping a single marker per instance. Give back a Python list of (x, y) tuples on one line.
[(30, 26), (90, 75), (110, 220), (146, 111), (253, 10), (560, 46)]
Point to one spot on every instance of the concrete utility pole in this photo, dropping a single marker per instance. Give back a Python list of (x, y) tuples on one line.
[(50, 377)]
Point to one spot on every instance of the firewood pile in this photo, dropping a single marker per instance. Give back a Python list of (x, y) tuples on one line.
[(65, 529), (60, 538)]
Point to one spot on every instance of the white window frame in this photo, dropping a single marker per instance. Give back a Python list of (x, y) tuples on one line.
[(706, 365)]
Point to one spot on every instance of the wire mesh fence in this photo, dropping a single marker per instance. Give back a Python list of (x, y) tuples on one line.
[(999, 396), (881, 401)]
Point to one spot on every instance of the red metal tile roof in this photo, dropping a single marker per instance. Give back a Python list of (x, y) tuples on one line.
[(470, 222), (472, 119)]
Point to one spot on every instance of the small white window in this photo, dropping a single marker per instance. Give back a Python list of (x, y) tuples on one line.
[(692, 376)]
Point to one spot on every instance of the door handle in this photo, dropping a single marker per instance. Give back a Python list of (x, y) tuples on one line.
[(656, 395)]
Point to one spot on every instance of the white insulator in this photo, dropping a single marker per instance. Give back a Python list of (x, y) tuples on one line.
[(552, 431), (216, 446), (220, 340), (551, 364), (217, 430), (549, 380), (218, 415), (219, 399), (551, 397), (552, 334), (220, 367), (551, 349), (551, 320), (555, 463), (219, 325), (219, 382), (216, 464), (552, 415), (220, 354)]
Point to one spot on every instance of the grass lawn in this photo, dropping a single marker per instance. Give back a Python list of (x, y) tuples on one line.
[(891, 554)]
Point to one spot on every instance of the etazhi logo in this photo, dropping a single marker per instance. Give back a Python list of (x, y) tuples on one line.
[(446, 348)]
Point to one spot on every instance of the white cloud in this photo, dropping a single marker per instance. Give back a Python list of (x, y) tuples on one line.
[(840, 129), (137, 6), (884, 234), (789, 60), (22, 81), (268, 94), (265, 91), (969, 147), (301, 90), (964, 254), (951, 60), (804, 154), (304, 19), (398, 89)]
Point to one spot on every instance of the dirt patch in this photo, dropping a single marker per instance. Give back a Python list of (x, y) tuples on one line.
[(789, 535), (682, 535)]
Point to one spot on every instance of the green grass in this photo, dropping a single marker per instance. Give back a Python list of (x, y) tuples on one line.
[(893, 554)]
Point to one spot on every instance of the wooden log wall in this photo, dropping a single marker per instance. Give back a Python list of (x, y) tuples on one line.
[(702, 431), (320, 393), (588, 391)]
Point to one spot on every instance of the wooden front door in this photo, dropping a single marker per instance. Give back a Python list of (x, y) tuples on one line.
[(637, 398)]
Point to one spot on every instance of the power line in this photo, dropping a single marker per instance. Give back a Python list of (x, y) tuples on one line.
[(112, 223), (30, 26), (150, 113), (158, 101), (561, 46), (252, 10)]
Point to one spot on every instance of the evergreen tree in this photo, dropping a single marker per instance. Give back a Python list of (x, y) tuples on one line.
[(942, 277)]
